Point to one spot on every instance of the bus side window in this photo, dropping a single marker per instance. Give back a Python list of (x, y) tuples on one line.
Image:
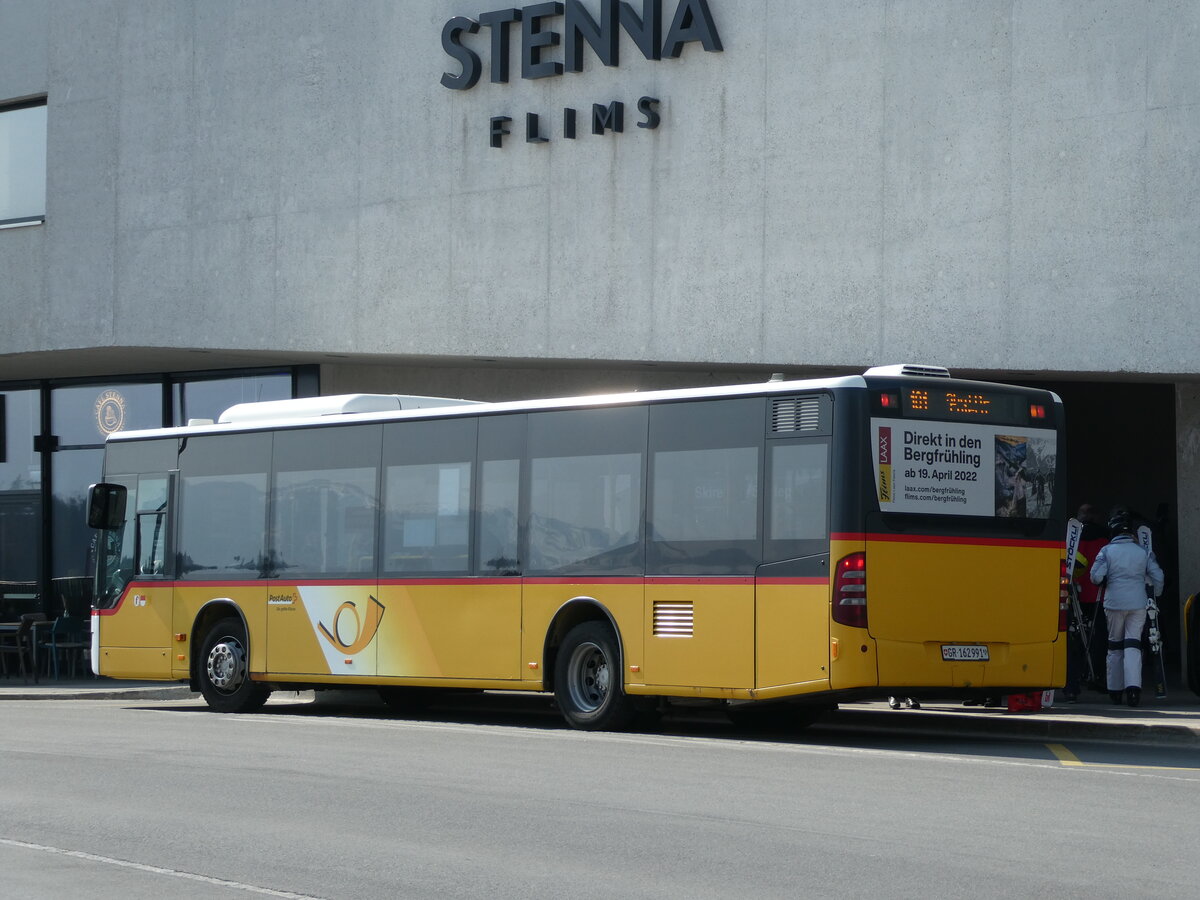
[(427, 481), (798, 499), (498, 499), (151, 533), (151, 540)]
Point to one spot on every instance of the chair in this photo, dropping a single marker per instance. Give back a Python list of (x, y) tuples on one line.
[(68, 639), (19, 643)]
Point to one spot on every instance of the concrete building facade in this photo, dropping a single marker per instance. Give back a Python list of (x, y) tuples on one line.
[(455, 198)]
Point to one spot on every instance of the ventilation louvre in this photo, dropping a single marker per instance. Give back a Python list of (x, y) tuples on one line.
[(796, 414), (673, 619)]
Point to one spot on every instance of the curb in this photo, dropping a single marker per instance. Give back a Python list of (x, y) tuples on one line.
[(105, 693)]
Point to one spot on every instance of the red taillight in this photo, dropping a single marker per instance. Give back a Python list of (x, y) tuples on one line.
[(1037, 411), (850, 591)]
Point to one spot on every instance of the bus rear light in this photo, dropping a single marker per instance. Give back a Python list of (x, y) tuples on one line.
[(1037, 411), (850, 591)]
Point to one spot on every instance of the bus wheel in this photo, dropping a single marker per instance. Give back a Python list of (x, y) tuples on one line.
[(587, 680), (224, 670)]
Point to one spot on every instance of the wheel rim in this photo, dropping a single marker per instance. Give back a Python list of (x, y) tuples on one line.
[(589, 677), (226, 665)]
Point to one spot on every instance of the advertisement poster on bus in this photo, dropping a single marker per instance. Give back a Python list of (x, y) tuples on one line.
[(949, 468)]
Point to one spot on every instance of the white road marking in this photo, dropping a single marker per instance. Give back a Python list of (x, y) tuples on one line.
[(155, 870)]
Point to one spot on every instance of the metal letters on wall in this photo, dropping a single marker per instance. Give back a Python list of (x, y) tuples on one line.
[(691, 23)]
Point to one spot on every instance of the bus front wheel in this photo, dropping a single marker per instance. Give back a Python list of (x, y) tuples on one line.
[(587, 680), (225, 670)]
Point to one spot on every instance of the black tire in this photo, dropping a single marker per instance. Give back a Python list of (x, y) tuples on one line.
[(587, 680), (774, 718), (224, 670)]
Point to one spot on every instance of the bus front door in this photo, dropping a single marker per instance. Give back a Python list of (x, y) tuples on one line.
[(135, 637)]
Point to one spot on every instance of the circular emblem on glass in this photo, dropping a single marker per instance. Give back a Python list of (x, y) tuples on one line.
[(110, 412)]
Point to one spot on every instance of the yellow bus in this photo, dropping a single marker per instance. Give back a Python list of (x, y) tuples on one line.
[(773, 548)]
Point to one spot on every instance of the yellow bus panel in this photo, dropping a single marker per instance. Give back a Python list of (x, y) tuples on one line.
[(451, 629), (792, 633), (699, 633)]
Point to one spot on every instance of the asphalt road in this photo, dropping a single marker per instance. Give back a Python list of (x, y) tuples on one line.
[(166, 799)]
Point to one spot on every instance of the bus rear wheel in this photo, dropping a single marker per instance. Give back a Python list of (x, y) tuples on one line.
[(587, 680), (225, 670)]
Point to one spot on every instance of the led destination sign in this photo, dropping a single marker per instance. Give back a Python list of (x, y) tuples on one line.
[(692, 22), (961, 405)]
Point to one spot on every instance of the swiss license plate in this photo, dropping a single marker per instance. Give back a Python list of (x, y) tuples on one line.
[(974, 652)]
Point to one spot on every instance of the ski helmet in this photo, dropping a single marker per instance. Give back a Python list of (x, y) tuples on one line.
[(1118, 521)]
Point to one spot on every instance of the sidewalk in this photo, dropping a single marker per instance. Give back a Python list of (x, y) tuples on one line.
[(12, 688), (1175, 720)]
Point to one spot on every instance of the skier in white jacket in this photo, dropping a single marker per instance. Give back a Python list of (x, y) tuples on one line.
[(1124, 568)]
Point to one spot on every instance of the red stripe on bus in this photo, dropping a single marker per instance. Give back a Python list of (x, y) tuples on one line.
[(486, 579), (653, 580), (798, 580)]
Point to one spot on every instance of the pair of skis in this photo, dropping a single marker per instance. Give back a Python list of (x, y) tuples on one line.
[(1155, 635), (1077, 623)]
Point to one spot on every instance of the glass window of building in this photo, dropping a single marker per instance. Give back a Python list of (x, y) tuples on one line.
[(86, 415), (20, 500), (81, 418), (22, 163), (207, 398)]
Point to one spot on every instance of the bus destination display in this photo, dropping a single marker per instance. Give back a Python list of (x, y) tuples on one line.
[(939, 403)]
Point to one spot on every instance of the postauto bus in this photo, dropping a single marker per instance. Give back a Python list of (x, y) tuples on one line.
[(774, 548)]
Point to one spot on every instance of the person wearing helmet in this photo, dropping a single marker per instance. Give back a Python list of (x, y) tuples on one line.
[(1124, 568)]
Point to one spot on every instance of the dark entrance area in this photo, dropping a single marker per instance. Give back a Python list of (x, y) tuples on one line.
[(1121, 450)]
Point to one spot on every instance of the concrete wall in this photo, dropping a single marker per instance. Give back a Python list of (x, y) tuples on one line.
[(992, 186)]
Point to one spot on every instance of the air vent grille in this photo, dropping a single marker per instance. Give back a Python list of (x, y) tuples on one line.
[(673, 619), (796, 414)]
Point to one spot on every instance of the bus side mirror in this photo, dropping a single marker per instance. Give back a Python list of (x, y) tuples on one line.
[(106, 506)]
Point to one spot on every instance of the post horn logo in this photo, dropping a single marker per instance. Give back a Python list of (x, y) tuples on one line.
[(110, 412), (364, 629)]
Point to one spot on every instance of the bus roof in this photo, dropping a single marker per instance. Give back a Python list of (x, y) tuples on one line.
[(308, 411), (366, 408)]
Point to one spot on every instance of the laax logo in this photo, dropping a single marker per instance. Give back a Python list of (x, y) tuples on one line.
[(364, 629)]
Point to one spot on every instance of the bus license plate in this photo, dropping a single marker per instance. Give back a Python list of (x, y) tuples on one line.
[(973, 652)]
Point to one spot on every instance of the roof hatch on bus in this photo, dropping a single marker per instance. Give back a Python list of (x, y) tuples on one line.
[(338, 405)]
